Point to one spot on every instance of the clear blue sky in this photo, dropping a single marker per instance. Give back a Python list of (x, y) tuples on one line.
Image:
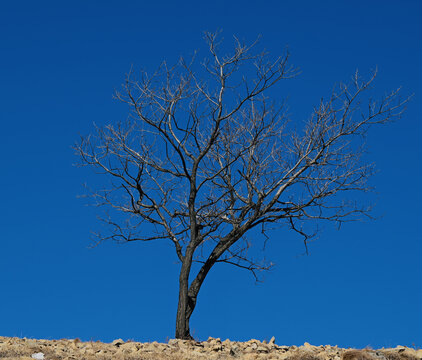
[(59, 64)]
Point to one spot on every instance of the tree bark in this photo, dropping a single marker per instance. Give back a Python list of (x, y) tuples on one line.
[(182, 320), (188, 294)]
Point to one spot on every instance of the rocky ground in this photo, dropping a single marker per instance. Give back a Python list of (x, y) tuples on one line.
[(30, 349)]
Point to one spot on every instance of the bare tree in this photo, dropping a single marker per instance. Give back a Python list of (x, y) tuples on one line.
[(206, 156)]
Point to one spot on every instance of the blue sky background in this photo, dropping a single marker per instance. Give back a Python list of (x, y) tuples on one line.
[(59, 64)]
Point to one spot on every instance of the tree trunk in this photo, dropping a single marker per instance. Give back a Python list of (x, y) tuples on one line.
[(188, 294), (182, 318)]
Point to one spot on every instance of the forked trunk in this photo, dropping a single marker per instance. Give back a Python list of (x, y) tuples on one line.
[(188, 294), (182, 317)]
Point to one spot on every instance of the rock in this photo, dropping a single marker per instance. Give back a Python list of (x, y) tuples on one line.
[(250, 357), (38, 356), (29, 342), (131, 346), (213, 344), (400, 348), (234, 349), (217, 347), (254, 341), (90, 352), (213, 349), (262, 349), (354, 354), (117, 342), (307, 347), (210, 339)]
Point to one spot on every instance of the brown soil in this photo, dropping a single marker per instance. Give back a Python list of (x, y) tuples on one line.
[(16, 348)]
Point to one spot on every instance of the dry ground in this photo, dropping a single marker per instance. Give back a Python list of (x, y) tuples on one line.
[(16, 348)]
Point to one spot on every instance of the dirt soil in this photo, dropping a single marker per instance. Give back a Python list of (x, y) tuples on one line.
[(30, 349)]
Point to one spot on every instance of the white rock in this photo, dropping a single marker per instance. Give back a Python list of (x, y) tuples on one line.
[(38, 356)]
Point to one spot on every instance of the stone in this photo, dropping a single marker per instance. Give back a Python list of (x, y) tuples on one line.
[(400, 348), (214, 349), (307, 347), (234, 348), (173, 342), (38, 356), (29, 342), (117, 342), (250, 356), (131, 346), (262, 349), (255, 341), (90, 352)]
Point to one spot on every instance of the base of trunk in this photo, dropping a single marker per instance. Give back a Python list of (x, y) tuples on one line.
[(183, 335)]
